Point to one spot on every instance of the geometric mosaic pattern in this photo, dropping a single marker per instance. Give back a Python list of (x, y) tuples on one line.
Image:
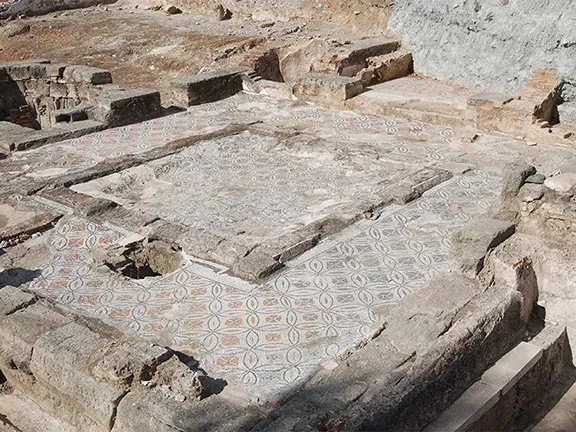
[(271, 336)]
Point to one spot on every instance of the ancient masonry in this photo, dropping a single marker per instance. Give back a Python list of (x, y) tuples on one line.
[(317, 239)]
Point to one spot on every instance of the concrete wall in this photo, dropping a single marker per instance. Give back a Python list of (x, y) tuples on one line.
[(488, 43)]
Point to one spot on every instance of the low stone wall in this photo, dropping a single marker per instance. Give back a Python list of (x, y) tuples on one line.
[(42, 102), (85, 374)]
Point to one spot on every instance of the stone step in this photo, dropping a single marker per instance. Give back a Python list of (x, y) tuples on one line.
[(508, 387), (417, 99), (69, 115), (390, 66)]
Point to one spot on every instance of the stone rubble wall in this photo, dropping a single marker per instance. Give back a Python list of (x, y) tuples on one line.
[(65, 101), (495, 44)]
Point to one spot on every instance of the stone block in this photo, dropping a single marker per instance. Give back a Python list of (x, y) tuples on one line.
[(152, 411), (87, 74), (20, 331), (469, 408), (512, 367), (24, 70), (207, 87), (297, 60), (511, 267), (470, 245), (55, 70), (531, 192), (117, 107), (58, 90), (353, 56), (63, 359), (489, 100), (390, 66), (51, 401), (425, 315), (128, 362), (68, 115), (327, 89), (515, 175), (561, 183), (13, 299), (257, 264)]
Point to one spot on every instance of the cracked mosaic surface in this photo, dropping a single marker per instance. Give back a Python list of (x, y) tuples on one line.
[(271, 336)]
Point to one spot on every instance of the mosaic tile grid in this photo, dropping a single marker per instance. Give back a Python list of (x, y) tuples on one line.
[(274, 335), (264, 189), (402, 138)]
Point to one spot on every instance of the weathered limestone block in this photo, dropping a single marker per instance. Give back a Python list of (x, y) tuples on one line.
[(561, 183), (415, 324), (489, 100), (257, 264), (63, 358), (26, 69), (515, 175), (10, 133), (20, 331), (470, 245), (87, 74), (543, 90), (51, 400), (510, 265), (390, 66), (118, 107), (55, 71), (13, 299), (298, 60), (207, 87), (353, 57), (409, 189), (123, 364), (327, 89), (153, 411)]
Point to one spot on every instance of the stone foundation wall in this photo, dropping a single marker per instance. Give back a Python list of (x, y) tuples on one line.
[(64, 101), (494, 44)]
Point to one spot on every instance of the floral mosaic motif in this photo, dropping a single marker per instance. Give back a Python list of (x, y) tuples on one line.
[(270, 336), (405, 138)]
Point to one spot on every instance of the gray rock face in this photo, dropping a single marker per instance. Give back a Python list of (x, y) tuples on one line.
[(489, 43)]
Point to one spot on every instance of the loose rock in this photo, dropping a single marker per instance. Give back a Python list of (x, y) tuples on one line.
[(173, 10), (561, 183)]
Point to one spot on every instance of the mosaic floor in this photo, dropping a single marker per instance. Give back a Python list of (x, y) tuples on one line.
[(267, 338), (265, 188), (272, 335)]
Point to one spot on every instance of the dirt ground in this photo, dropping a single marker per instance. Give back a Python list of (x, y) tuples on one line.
[(140, 48), (148, 48)]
